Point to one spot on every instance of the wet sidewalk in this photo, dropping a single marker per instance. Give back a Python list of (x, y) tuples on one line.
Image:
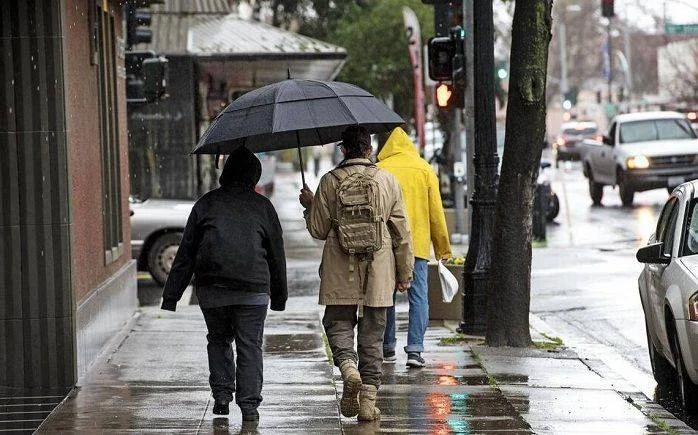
[(470, 388), (155, 379)]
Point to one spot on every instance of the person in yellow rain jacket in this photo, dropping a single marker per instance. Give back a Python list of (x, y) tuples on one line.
[(425, 214)]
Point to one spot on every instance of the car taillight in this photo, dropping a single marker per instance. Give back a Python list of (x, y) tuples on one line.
[(693, 307)]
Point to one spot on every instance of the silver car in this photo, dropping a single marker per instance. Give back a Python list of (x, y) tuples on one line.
[(157, 225), (669, 291)]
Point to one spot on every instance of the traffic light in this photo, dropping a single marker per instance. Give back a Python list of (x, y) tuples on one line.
[(571, 95), (459, 77), (444, 96), (501, 80), (447, 14), (607, 8), (135, 18), (146, 76), (441, 50)]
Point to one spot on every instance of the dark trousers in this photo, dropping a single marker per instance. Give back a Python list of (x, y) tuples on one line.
[(339, 322), (243, 324)]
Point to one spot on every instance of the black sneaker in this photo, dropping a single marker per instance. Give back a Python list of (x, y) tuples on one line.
[(414, 359), (250, 416), (389, 357), (220, 407)]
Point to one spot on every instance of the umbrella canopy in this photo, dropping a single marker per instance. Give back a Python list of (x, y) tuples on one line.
[(295, 113)]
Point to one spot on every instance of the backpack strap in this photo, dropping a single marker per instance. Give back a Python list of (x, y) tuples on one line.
[(371, 170), (346, 165), (369, 260)]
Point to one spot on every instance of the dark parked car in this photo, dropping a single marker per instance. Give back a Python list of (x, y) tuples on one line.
[(568, 146)]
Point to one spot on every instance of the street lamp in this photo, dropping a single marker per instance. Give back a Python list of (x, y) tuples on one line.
[(477, 273)]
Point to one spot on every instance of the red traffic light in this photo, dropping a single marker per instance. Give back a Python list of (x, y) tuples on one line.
[(607, 8), (444, 93)]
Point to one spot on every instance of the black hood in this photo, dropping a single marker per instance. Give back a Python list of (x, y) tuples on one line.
[(242, 168)]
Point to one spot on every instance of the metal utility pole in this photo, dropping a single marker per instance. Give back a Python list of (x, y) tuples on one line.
[(477, 272), (441, 25), (458, 190), (562, 38), (469, 109), (609, 45)]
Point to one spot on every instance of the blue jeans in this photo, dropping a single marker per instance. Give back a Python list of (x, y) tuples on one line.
[(419, 312)]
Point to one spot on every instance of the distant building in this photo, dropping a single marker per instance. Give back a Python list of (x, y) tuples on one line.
[(214, 56), (67, 281)]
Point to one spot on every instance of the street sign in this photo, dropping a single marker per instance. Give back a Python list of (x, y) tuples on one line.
[(681, 29)]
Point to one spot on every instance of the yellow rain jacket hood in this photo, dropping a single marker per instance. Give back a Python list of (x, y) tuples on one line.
[(420, 191)]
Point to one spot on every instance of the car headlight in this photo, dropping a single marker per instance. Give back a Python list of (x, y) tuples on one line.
[(638, 162), (693, 307)]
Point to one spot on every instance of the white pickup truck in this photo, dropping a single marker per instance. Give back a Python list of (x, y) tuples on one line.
[(642, 151)]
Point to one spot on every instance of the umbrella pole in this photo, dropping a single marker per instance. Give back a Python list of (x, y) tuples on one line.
[(300, 158)]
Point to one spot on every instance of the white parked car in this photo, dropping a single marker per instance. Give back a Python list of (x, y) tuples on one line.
[(668, 288), (642, 151), (157, 225)]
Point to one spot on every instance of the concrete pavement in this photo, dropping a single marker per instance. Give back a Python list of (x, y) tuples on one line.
[(154, 379), (154, 376)]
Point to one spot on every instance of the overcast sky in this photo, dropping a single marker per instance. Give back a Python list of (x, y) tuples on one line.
[(677, 11)]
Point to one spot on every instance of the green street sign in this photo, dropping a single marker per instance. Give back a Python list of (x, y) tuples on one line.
[(681, 29)]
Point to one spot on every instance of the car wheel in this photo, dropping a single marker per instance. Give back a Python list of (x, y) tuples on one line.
[(661, 369), (627, 194), (688, 391), (553, 207), (595, 190), (162, 254)]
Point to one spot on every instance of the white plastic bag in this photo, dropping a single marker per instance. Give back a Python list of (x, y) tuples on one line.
[(449, 283)]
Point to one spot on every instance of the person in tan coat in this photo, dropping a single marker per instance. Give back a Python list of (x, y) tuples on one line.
[(357, 292)]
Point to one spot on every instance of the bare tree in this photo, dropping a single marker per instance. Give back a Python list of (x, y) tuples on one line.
[(678, 69), (510, 292)]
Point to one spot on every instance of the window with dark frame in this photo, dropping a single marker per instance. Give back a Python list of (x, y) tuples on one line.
[(104, 40)]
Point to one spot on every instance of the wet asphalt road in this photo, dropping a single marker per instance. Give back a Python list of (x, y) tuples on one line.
[(584, 283)]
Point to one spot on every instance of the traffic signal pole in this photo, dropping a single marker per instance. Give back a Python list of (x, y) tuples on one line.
[(468, 107), (610, 60), (458, 189), (477, 274)]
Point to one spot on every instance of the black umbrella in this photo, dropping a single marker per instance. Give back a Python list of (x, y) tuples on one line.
[(292, 114)]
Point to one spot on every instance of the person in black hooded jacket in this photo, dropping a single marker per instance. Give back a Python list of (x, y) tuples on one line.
[(233, 246)]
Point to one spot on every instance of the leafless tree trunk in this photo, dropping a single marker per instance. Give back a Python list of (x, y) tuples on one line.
[(683, 70), (510, 294)]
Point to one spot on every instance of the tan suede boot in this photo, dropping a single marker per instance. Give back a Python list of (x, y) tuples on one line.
[(349, 405), (367, 403)]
